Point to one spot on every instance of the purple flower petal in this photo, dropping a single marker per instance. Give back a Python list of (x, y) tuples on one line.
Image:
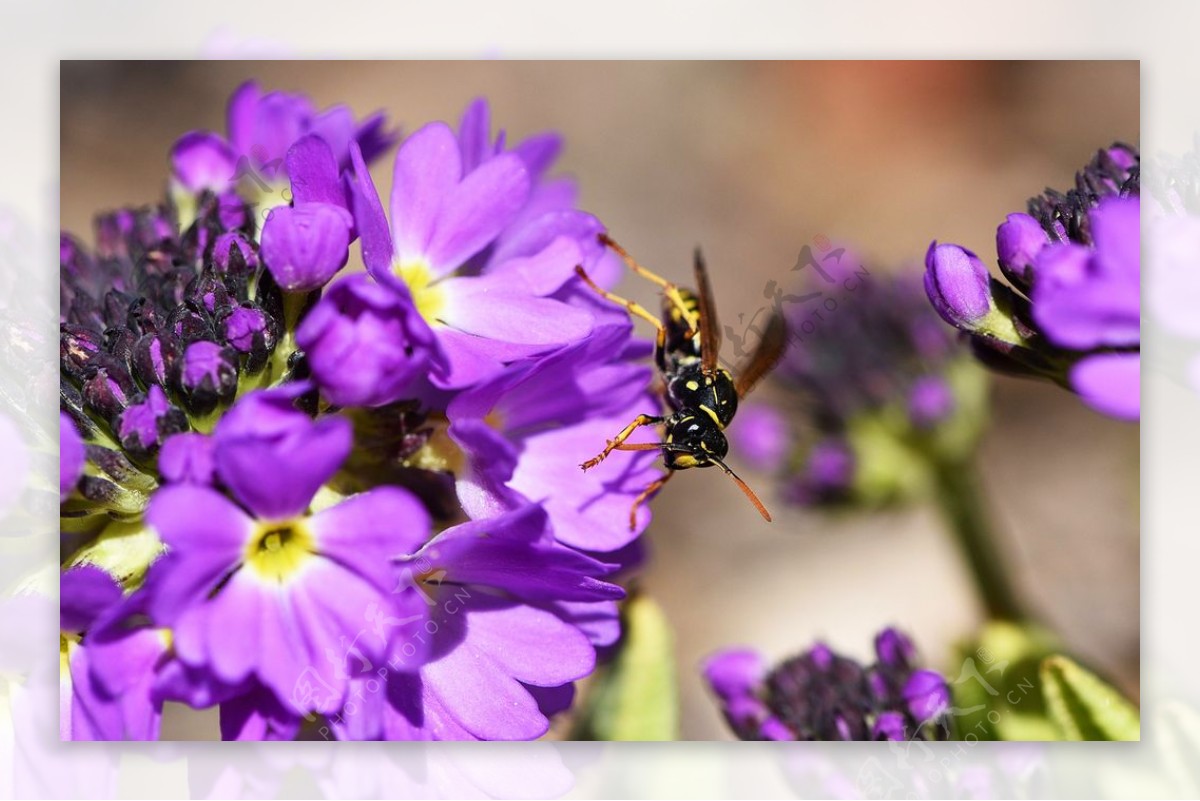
[(372, 223), (1018, 241), (240, 115), (957, 284), (476, 211), (257, 715), (304, 246), (475, 135), (482, 486), (428, 168), (1110, 383), (1085, 298), (734, 673), (199, 520), (366, 344), (486, 308), (85, 593), (203, 161), (364, 531), (273, 457), (479, 682), (927, 695), (131, 715), (498, 552), (314, 173)]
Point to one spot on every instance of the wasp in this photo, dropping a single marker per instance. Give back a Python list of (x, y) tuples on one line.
[(699, 397)]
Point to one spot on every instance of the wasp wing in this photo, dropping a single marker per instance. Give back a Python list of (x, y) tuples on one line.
[(710, 331), (768, 353)]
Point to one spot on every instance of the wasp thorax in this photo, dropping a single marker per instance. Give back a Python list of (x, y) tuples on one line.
[(714, 395)]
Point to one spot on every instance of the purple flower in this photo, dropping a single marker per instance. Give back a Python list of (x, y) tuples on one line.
[(876, 391), (827, 477), (1073, 313), (501, 640), (444, 216), (763, 436), (523, 432), (261, 128), (366, 344), (269, 591), (930, 401), (187, 458), (957, 284), (143, 425), (821, 695), (305, 245), (284, 567), (111, 679)]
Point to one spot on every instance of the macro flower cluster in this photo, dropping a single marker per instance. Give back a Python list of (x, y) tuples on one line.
[(822, 695), (337, 503), (869, 400), (1071, 309)]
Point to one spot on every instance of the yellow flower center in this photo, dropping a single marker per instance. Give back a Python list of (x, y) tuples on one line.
[(279, 550), (430, 299)]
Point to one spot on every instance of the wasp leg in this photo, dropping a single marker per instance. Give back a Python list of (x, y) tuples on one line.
[(660, 339), (669, 289), (629, 305), (654, 487), (613, 444)]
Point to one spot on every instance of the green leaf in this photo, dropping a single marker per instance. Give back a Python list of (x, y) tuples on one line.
[(1083, 706), (635, 697), (995, 684)]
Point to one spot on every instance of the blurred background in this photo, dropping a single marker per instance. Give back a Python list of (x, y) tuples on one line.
[(754, 160)]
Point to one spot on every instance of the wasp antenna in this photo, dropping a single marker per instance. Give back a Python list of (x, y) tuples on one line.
[(762, 510)]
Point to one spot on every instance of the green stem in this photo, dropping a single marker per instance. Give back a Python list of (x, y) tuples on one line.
[(293, 306), (962, 504)]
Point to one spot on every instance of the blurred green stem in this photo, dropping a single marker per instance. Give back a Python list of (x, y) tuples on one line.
[(961, 501)]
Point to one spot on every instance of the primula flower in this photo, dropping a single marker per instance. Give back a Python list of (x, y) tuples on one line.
[(821, 695), (266, 589), (445, 213), (365, 345), (261, 129), (504, 638), (259, 511), (1071, 310), (522, 433)]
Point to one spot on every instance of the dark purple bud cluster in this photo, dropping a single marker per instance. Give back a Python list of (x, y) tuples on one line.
[(158, 325), (822, 695), (1115, 172)]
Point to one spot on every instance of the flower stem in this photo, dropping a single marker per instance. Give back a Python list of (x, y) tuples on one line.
[(961, 501)]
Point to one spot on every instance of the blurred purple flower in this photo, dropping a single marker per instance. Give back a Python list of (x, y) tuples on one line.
[(872, 390)]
